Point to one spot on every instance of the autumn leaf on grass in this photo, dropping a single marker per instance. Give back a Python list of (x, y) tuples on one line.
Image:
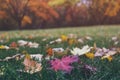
[(89, 55), (36, 57), (71, 41), (80, 40), (109, 58), (13, 45), (60, 51), (63, 64), (31, 66), (88, 38), (59, 40), (28, 43), (118, 50), (88, 70), (101, 52), (4, 47), (22, 43), (29, 37), (78, 51), (114, 38), (33, 45), (49, 51), (64, 38), (109, 55)]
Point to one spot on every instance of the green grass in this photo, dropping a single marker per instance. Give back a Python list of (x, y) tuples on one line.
[(101, 36), (80, 31)]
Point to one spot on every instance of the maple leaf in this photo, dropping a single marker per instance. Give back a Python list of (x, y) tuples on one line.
[(13, 45), (49, 51), (31, 66)]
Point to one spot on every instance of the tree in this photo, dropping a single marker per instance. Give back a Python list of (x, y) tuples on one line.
[(42, 12), (113, 7), (67, 10), (100, 10), (20, 11), (15, 9)]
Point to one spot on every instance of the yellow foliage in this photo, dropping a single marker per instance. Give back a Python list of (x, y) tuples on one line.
[(56, 2), (62, 2)]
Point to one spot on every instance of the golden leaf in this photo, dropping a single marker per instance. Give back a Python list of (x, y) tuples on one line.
[(89, 55)]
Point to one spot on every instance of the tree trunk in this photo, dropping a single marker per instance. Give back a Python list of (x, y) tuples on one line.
[(19, 24)]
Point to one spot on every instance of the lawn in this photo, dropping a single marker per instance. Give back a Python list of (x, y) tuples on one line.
[(104, 38)]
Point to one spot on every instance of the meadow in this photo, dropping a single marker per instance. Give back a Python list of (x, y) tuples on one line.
[(97, 56)]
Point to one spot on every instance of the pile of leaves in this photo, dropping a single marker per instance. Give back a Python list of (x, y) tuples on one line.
[(65, 58)]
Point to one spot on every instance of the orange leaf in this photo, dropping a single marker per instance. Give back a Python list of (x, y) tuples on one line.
[(13, 45), (49, 51)]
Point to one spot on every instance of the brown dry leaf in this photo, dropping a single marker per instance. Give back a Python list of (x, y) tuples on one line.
[(49, 51), (31, 66)]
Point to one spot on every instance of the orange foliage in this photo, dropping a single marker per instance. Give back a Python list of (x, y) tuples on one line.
[(3, 14), (26, 20), (21, 10), (112, 9), (43, 10)]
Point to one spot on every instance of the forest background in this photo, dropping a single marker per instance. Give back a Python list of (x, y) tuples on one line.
[(34, 14)]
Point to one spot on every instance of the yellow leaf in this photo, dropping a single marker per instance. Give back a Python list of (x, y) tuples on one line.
[(26, 54), (71, 41), (89, 55), (107, 57), (64, 38), (2, 47)]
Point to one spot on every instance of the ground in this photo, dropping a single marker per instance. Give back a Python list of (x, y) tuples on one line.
[(102, 36)]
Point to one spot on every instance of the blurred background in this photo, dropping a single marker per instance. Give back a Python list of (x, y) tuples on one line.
[(42, 14)]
